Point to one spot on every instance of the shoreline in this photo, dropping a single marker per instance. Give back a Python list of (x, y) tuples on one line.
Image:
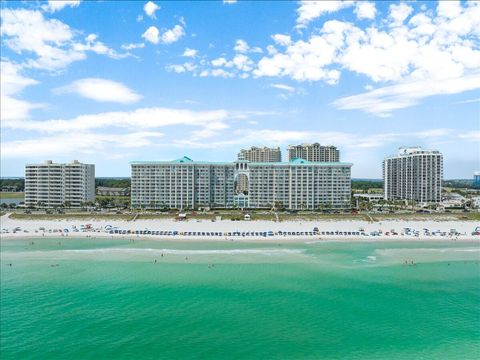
[(244, 231)]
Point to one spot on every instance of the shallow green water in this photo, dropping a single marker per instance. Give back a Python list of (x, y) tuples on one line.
[(108, 299)]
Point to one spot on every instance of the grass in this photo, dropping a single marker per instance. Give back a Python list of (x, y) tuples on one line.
[(228, 215), (81, 216), (12, 195)]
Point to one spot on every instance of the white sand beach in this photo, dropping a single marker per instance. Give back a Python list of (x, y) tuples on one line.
[(227, 230)]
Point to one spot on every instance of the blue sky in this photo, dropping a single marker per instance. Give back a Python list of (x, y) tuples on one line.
[(113, 82)]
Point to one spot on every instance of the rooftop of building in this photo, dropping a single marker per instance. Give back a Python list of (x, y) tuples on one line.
[(413, 150), (187, 160), (50, 162)]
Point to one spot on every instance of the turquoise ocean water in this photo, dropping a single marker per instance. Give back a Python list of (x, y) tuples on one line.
[(67, 298)]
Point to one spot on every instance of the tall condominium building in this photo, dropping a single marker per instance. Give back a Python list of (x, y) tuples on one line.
[(299, 184), (55, 185), (263, 154), (414, 174), (255, 154), (189, 184), (182, 184), (313, 152)]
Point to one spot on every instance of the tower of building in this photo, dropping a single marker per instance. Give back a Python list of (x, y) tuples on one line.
[(414, 174), (55, 185), (313, 152), (260, 154)]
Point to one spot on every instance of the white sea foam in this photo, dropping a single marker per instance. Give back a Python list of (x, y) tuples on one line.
[(183, 252), (389, 252)]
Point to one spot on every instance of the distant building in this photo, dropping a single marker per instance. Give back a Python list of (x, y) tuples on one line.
[(185, 183), (369, 197), (55, 185), (10, 188), (476, 179), (255, 154), (313, 153), (112, 191), (414, 174), (260, 154)]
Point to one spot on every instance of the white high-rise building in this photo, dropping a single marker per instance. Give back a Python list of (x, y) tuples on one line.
[(56, 185), (260, 154), (414, 174), (313, 152), (256, 154), (299, 185), (188, 184), (182, 184)]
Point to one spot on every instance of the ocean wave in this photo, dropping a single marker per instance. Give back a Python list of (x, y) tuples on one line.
[(387, 252), (183, 252)]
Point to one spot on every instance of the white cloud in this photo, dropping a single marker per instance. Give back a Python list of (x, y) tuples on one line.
[(398, 13), (219, 61), (101, 90), (12, 84), (53, 43), (284, 40), (383, 101), (449, 9), (150, 8), (365, 10), (229, 2), (56, 5), (409, 50), (242, 62), (241, 46), (310, 10), (190, 52), (173, 35), (139, 119), (78, 143), (176, 68), (283, 87), (151, 35), (132, 46)]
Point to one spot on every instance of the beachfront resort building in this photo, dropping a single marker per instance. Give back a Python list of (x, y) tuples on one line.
[(51, 185), (255, 154), (188, 184), (414, 174), (182, 184), (313, 152)]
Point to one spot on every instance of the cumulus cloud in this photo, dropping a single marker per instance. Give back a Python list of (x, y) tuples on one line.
[(310, 10), (54, 44), (365, 10), (150, 8), (404, 53), (151, 35), (173, 35), (190, 52), (56, 5), (102, 90)]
